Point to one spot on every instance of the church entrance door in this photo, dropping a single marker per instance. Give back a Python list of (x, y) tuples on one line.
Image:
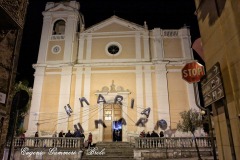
[(111, 114)]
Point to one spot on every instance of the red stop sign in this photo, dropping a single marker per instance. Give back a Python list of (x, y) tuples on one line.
[(193, 72)]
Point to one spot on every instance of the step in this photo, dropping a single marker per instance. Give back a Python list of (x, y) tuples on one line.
[(112, 151), (107, 157)]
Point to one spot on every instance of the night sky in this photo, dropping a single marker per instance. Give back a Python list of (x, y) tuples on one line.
[(165, 14)]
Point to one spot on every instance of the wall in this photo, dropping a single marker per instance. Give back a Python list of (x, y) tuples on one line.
[(220, 33)]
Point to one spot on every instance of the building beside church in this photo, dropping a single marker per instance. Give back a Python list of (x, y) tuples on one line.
[(111, 72), (220, 33), (12, 19)]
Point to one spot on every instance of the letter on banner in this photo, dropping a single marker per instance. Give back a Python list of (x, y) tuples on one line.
[(68, 110), (83, 99), (132, 103), (146, 112), (141, 122), (118, 99), (99, 122), (101, 99)]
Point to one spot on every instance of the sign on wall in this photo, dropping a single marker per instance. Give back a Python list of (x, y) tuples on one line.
[(212, 87)]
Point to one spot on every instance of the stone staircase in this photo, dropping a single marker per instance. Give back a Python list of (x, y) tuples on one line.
[(109, 151)]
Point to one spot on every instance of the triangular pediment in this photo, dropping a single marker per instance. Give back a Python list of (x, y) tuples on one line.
[(60, 7), (114, 24)]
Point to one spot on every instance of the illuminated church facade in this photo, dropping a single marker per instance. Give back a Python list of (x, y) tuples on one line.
[(114, 58)]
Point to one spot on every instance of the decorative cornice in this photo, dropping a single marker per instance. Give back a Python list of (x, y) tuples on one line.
[(113, 89)]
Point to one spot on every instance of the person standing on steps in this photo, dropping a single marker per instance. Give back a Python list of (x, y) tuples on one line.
[(90, 139)]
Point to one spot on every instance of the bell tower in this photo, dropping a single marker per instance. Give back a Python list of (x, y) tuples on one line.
[(57, 54), (61, 23)]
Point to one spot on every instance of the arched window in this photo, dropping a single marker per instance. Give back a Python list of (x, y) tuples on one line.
[(59, 27)]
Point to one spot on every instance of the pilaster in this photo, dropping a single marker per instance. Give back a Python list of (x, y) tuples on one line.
[(186, 44), (139, 94), (158, 51), (80, 48), (138, 46), (89, 48), (124, 115), (36, 101), (70, 35), (77, 106), (64, 97), (86, 94), (46, 33), (146, 46), (162, 93), (191, 96), (149, 96)]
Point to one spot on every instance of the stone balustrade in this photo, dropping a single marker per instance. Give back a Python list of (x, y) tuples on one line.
[(49, 142), (57, 37), (175, 142)]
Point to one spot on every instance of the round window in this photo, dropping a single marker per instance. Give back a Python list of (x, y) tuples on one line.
[(113, 48)]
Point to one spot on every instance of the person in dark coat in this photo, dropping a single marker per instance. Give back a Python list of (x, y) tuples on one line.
[(154, 134), (154, 142), (142, 134), (82, 135), (148, 134), (22, 138), (77, 133), (90, 139), (161, 136), (60, 135), (69, 134), (36, 140)]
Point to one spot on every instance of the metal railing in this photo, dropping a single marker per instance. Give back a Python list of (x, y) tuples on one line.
[(175, 142), (49, 142)]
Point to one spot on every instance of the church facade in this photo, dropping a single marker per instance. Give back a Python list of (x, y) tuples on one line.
[(114, 72)]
